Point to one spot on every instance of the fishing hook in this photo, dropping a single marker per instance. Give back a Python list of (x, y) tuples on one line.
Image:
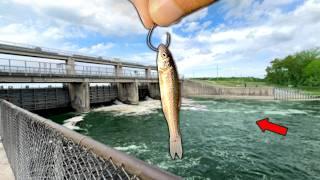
[(149, 40)]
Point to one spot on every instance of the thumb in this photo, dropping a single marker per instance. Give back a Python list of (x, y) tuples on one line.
[(164, 12), (167, 12), (143, 11)]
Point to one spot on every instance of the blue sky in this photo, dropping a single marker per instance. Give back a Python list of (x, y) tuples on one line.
[(240, 37)]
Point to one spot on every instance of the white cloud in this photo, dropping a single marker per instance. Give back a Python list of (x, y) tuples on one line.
[(265, 31), (97, 49), (56, 24), (196, 15), (105, 16), (250, 48)]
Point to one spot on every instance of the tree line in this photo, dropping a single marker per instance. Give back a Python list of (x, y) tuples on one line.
[(300, 69)]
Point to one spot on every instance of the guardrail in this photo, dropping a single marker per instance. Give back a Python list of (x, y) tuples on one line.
[(38, 148), (46, 68), (292, 94), (60, 52)]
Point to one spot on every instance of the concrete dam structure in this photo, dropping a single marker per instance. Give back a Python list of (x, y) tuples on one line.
[(194, 88), (38, 148), (191, 88), (125, 77), (52, 97)]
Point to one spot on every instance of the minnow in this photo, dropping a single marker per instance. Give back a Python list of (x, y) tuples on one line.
[(170, 94)]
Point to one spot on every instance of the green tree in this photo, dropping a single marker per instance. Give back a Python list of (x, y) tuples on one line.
[(291, 69), (312, 74)]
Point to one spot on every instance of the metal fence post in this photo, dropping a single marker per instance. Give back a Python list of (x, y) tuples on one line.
[(9, 61)]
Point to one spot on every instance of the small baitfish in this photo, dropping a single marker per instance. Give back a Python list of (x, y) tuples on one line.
[(170, 97)]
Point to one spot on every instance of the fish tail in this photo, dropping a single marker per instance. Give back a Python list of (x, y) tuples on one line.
[(175, 146)]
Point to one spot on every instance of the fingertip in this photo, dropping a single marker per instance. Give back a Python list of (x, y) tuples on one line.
[(164, 12), (143, 12)]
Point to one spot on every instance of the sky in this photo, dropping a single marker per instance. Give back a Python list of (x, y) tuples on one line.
[(237, 38)]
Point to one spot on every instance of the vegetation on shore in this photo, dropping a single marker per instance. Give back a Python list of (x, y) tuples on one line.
[(235, 81), (301, 71)]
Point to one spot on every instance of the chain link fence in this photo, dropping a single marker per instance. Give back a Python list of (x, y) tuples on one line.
[(38, 148)]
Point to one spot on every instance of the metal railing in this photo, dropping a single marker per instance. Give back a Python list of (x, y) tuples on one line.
[(61, 52), (47, 68), (292, 94), (38, 148)]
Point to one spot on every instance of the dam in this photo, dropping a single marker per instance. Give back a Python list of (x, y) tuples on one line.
[(33, 147), (126, 77), (106, 140)]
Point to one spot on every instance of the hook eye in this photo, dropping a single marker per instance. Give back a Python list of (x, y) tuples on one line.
[(149, 40)]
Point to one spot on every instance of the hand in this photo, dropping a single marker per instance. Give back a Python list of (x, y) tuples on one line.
[(166, 12)]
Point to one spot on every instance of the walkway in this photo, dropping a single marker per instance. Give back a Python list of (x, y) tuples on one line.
[(5, 172)]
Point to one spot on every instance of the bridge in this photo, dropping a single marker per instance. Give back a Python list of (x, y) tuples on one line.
[(76, 72), (37, 148)]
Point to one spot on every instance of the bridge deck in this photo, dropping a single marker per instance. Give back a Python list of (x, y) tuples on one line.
[(6, 171), (57, 78)]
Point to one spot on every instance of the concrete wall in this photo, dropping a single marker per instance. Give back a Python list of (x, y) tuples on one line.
[(79, 96), (103, 94), (38, 98), (154, 90), (128, 92), (70, 66), (192, 88)]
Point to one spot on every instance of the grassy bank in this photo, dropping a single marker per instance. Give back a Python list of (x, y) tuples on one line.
[(235, 82), (312, 90)]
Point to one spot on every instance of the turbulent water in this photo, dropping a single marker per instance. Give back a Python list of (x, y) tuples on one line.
[(220, 137)]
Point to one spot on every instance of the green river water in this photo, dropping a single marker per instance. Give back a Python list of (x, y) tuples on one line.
[(220, 137)]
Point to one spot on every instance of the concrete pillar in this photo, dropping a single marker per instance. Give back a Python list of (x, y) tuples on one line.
[(148, 73), (79, 96), (128, 92), (154, 90), (70, 66), (118, 70)]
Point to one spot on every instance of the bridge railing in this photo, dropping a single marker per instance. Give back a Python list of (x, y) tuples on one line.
[(38, 148), (48, 68), (32, 70), (59, 51)]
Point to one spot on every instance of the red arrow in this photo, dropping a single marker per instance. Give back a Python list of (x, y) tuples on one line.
[(264, 124)]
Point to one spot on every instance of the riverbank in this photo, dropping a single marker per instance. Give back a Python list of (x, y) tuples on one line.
[(269, 98), (259, 98), (191, 88)]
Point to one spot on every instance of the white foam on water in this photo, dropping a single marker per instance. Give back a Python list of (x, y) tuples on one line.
[(71, 123), (225, 110), (188, 104), (186, 164), (129, 148), (250, 111), (285, 113), (143, 108), (146, 107), (296, 111)]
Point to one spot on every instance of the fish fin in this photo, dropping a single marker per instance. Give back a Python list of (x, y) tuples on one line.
[(175, 146)]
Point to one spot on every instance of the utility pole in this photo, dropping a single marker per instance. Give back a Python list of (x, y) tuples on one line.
[(217, 72)]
